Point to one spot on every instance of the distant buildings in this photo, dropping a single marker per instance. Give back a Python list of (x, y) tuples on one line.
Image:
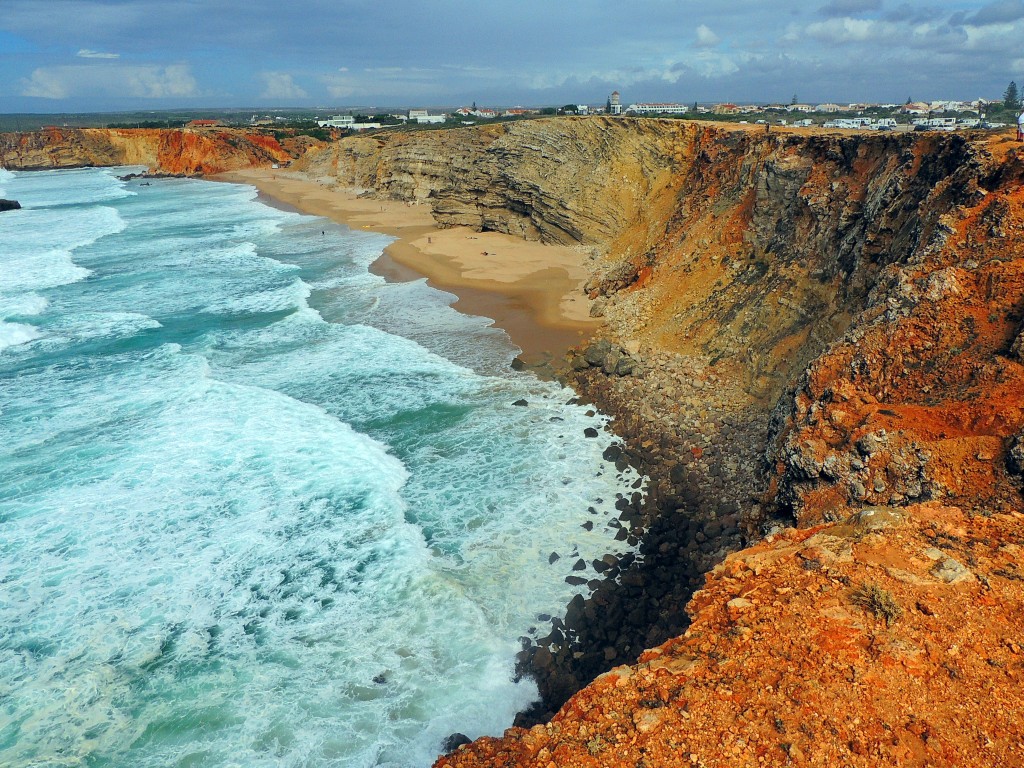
[(423, 117), (657, 108), (614, 104), (337, 121)]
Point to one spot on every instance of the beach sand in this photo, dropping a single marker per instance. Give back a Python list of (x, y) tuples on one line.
[(531, 291)]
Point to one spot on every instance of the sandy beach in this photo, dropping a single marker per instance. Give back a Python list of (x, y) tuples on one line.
[(532, 291)]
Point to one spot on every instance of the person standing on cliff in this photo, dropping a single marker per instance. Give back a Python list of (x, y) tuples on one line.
[(1020, 126)]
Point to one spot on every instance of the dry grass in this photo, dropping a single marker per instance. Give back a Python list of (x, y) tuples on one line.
[(877, 600)]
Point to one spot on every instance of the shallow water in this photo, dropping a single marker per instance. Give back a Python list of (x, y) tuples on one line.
[(257, 506)]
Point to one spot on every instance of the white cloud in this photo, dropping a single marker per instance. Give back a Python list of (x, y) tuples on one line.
[(847, 30), (85, 53), (45, 84), (706, 38), (88, 80), (280, 85), (339, 86)]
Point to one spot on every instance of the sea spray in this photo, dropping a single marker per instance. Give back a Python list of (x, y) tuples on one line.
[(247, 521)]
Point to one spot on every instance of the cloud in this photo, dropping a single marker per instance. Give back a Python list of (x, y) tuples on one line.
[(1000, 12), (847, 30), (280, 85), (46, 84), (85, 53), (706, 38), (847, 7), (91, 80)]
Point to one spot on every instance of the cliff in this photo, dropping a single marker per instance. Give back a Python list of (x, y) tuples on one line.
[(816, 324), (187, 152), (813, 347)]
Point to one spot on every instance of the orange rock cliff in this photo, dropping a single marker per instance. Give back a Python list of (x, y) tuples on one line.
[(813, 348), (189, 152)]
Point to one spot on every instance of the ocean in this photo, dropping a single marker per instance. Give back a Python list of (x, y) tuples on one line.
[(259, 507)]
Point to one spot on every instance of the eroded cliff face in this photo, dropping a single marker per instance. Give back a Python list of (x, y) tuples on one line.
[(816, 324), (567, 181), (186, 152)]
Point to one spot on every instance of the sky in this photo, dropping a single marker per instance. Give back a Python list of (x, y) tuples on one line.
[(107, 55)]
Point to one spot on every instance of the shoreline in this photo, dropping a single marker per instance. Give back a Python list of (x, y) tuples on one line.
[(532, 291)]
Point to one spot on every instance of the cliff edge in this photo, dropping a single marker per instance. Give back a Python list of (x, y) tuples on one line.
[(817, 326)]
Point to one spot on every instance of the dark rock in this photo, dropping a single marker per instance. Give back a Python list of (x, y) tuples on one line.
[(521, 403), (453, 742), (575, 581), (580, 565), (1015, 456), (1017, 348), (597, 352), (590, 432), (9, 205), (553, 557)]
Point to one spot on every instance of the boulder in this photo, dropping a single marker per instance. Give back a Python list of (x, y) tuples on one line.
[(1015, 456), (597, 352), (9, 205), (453, 742)]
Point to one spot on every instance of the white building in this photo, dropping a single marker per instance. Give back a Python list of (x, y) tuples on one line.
[(658, 109), (337, 121)]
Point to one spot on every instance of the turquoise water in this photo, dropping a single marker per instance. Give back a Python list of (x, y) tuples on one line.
[(257, 506)]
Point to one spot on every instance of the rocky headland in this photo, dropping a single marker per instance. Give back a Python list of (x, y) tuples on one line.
[(178, 151), (812, 347)]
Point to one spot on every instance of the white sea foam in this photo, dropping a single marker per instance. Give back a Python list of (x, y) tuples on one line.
[(14, 334), (22, 305), (38, 254)]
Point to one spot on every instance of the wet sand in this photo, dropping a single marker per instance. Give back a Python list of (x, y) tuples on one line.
[(532, 291)]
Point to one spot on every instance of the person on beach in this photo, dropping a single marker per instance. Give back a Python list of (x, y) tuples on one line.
[(1020, 126)]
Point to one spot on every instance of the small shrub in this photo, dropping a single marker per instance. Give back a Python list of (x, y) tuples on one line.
[(877, 600)]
